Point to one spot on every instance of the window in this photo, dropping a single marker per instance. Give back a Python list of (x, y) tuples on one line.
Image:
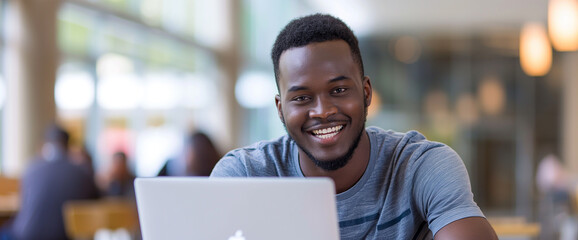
[(137, 74)]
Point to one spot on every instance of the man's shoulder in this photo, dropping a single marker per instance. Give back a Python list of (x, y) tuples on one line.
[(38, 165), (392, 137), (405, 145), (40, 168)]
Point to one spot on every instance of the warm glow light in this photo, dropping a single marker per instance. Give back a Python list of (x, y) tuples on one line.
[(375, 106), (407, 49), (535, 50), (563, 24), (436, 104), (491, 95), (467, 109), (438, 115)]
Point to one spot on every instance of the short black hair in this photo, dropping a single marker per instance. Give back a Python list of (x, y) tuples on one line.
[(56, 134), (314, 28)]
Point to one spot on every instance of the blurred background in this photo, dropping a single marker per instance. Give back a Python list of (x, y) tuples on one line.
[(497, 80)]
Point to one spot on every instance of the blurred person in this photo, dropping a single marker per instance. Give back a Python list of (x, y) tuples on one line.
[(50, 181), (198, 157), (390, 185), (557, 206), (79, 155), (119, 180), (551, 175)]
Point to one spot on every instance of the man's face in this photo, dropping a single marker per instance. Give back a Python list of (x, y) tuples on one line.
[(323, 100)]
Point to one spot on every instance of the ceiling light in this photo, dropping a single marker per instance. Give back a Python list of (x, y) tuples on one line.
[(535, 50)]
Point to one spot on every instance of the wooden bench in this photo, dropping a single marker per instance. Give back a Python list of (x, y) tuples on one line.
[(82, 218)]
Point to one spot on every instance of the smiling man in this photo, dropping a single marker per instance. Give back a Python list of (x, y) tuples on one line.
[(389, 185)]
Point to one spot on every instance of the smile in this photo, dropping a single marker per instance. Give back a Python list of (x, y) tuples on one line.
[(326, 133)]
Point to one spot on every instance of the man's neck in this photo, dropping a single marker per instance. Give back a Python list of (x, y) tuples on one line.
[(347, 176)]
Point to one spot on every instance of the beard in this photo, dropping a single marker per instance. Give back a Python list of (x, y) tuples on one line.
[(341, 161)]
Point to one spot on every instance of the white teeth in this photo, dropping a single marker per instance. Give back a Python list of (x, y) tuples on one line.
[(326, 136), (327, 132)]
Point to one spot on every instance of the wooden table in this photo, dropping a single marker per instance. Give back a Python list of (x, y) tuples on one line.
[(514, 227), (9, 205)]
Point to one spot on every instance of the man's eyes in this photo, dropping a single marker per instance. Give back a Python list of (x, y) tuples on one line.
[(339, 90), (300, 98)]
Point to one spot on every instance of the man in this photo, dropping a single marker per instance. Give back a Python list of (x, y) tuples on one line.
[(389, 185), (47, 184)]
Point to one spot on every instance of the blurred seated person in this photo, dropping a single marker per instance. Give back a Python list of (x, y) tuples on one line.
[(80, 155), (50, 181), (118, 181), (198, 157)]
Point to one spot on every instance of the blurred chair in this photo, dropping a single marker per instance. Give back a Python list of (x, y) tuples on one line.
[(9, 186), (83, 218), (9, 198), (9, 194)]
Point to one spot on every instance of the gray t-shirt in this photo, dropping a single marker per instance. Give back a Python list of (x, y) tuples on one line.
[(411, 187)]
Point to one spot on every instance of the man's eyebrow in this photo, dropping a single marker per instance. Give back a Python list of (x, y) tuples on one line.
[(338, 79), (296, 88), (299, 88)]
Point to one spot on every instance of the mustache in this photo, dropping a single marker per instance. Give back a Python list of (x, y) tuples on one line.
[(340, 118)]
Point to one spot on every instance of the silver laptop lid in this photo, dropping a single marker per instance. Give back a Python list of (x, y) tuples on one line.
[(237, 208)]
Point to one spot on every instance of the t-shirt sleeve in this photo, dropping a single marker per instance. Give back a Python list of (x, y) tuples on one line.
[(231, 165), (442, 188)]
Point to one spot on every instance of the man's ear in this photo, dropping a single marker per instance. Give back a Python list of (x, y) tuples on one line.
[(279, 111), (367, 90)]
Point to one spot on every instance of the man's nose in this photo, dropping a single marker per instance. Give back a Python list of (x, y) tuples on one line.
[(323, 108)]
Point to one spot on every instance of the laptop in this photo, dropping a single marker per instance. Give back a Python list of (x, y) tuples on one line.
[(237, 208)]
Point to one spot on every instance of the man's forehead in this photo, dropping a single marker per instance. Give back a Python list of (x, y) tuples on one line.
[(314, 56), (317, 48)]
